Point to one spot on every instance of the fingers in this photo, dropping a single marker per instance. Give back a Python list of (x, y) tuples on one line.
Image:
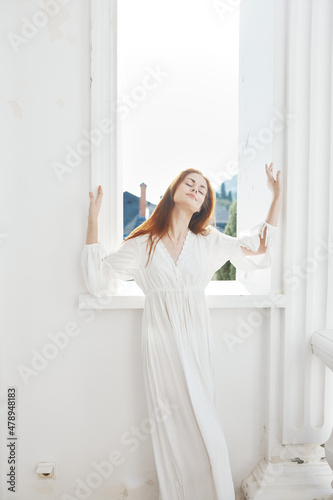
[(99, 193), (269, 170), (99, 197)]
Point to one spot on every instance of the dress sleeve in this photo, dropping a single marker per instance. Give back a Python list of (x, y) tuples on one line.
[(102, 272), (223, 247)]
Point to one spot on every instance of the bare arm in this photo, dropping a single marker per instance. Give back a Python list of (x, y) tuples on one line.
[(94, 208), (274, 209)]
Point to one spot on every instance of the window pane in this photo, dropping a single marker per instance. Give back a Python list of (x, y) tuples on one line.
[(178, 99)]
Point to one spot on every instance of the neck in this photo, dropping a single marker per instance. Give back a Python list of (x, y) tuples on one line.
[(179, 223)]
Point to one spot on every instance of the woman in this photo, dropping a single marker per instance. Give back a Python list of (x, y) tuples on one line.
[(172, 256)]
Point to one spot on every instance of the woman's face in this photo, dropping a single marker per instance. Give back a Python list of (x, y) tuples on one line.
[(191, 192)]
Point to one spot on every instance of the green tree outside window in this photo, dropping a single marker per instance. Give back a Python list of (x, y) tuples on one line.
[(228, 271)]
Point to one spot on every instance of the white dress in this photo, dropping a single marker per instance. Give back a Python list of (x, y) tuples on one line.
[(190, 450)]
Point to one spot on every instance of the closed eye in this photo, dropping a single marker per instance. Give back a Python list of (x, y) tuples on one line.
[(192, 186)]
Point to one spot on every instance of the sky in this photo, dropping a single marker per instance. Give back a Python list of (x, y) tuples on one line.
[(178, 91)]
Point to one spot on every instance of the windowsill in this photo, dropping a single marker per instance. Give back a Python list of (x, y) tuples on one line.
[(219, 294)]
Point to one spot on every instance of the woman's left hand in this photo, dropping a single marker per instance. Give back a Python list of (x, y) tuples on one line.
[(273, 185)]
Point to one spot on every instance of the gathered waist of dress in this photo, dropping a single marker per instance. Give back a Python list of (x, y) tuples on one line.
[(175, 289)]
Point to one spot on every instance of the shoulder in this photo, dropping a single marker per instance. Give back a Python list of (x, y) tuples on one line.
[(133, 240), (131, 244), (210, 231), (205, 232), (215, 237), (138, 243)]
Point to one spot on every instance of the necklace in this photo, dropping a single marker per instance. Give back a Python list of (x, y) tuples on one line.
[(177, 242)]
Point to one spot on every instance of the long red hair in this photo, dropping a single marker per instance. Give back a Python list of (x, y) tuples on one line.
[(156, 226)]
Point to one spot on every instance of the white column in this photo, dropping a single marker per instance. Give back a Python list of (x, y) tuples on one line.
[(309, 66), (322, 346), (299, 387)]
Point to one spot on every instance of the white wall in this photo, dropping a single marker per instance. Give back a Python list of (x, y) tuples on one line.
[(75, 410)]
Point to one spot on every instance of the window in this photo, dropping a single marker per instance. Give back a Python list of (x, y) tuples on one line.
[(178, 100), (256, 112)]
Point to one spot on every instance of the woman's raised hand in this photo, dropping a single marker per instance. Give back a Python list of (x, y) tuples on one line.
[(273, 184), (95, 206)]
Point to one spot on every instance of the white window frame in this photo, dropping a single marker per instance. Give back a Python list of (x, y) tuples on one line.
[(105, 158), (106, 162)]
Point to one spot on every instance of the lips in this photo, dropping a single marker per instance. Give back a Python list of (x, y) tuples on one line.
[(192, 196)]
